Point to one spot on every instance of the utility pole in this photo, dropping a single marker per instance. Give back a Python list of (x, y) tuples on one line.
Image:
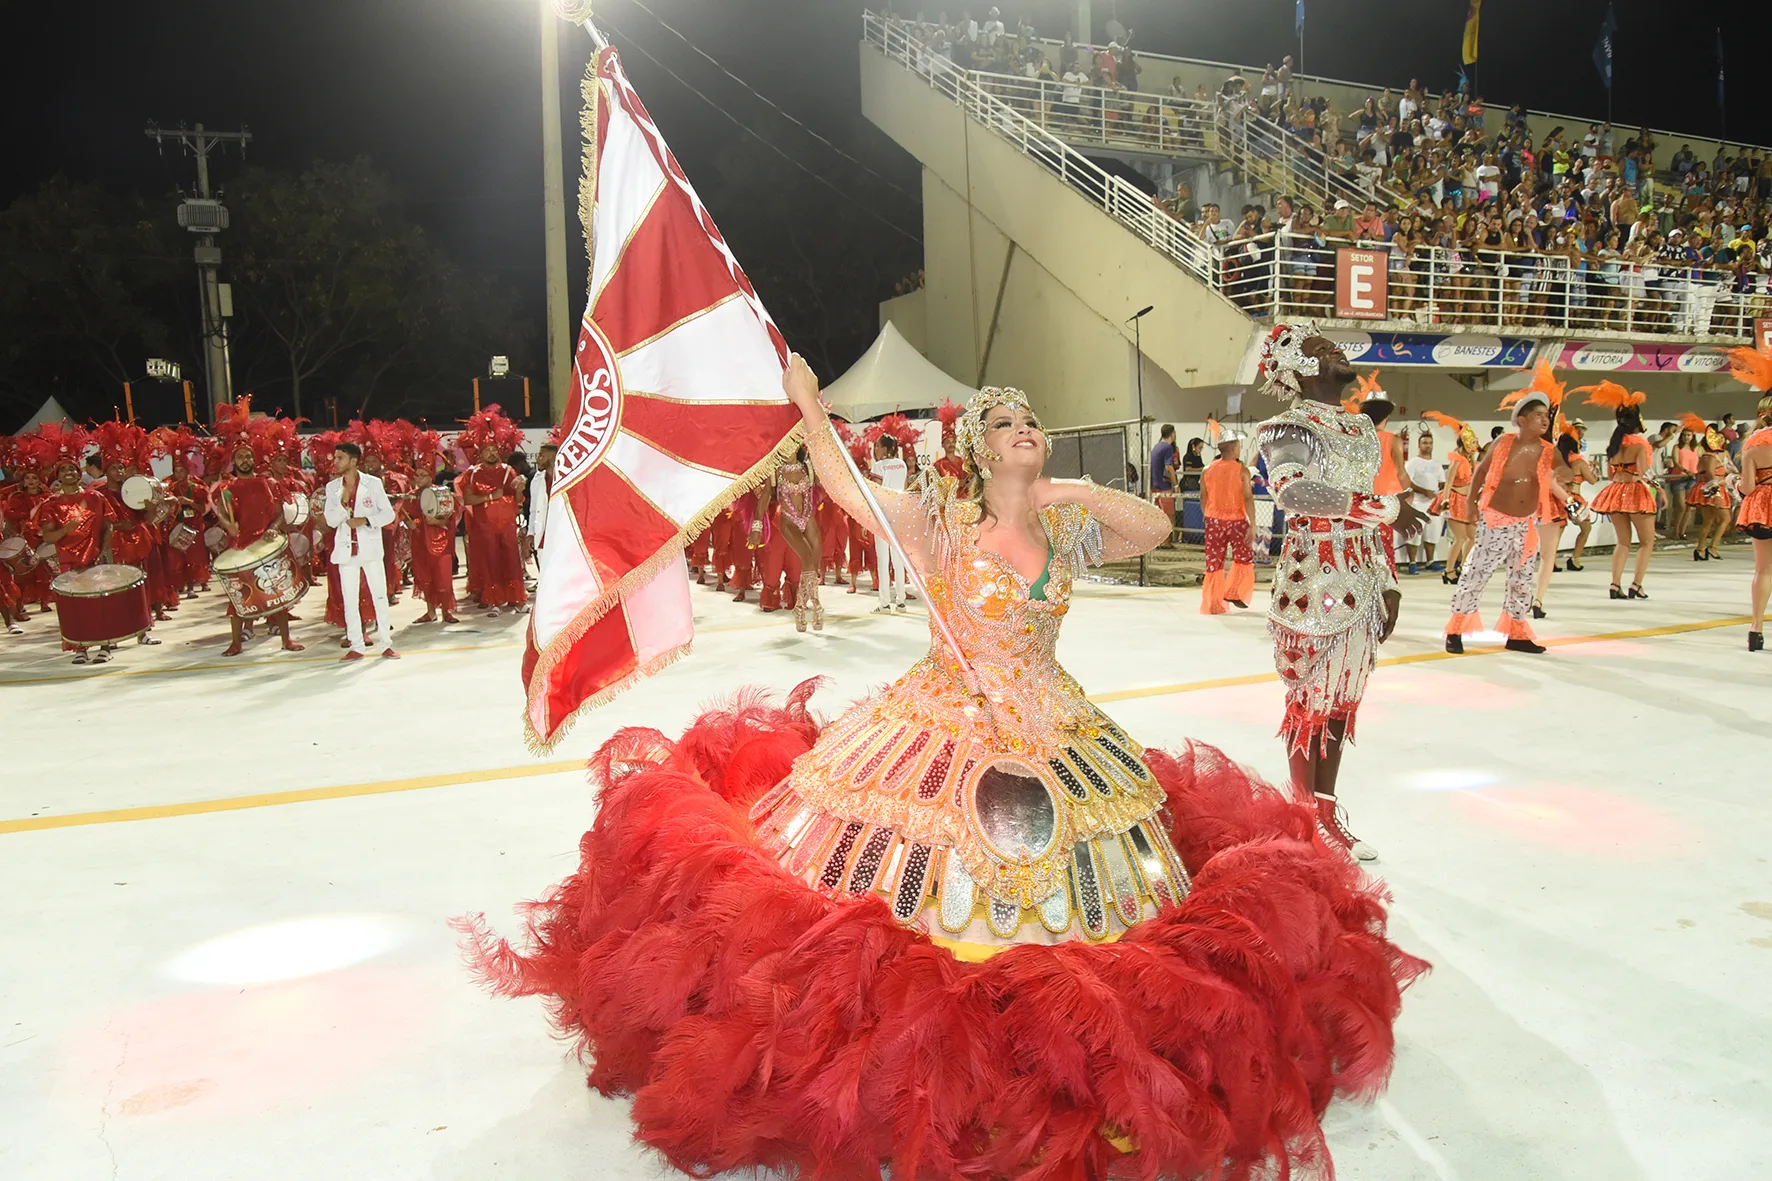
[(560, 319), (205, 216)]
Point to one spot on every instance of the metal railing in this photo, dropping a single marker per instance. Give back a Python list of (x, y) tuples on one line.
[(1283, 274), (1127, 120), (1115, 196)]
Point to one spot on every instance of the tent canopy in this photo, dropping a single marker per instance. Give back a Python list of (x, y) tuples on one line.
[(892, 376), (50, 411)]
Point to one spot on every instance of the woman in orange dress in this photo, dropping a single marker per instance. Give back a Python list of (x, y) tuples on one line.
[(1628, 499), (1709, 494), (1454, 499), (1571, 470), (1754, 366)]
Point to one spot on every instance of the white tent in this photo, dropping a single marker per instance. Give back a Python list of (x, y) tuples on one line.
[(892, 375), (50, 411)]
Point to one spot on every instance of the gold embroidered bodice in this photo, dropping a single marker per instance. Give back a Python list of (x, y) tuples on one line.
[(1018, 813)]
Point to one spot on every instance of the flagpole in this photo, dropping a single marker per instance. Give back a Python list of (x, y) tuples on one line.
[(967, 676)]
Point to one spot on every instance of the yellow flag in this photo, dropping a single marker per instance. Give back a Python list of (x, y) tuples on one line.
[(1470, 32)]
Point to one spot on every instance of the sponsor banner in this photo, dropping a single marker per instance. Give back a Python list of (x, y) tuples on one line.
[(1426, 348), (1763, 334), (1361, 284), (1623, 356)]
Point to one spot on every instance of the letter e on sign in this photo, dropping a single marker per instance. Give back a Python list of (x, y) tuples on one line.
[(1763, 333), (1362, 289)]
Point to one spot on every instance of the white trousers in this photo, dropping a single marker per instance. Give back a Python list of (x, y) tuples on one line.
[(889, 573), (376, 574)]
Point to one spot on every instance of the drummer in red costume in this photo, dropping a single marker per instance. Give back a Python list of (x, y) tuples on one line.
[(247, 505), (123, 450), (433, 536), (73, 518), (18, 507), (189, 565), (489, 492)]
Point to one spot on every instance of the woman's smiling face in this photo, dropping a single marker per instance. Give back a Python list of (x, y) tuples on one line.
[(1015, 435)]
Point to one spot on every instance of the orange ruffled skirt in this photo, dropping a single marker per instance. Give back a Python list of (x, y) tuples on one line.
[(1756, 509), (1631, 498)]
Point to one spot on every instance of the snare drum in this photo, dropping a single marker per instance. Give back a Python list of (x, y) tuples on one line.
[(300, 547), (261, 579), (17, 555), (138, 492), (215, 539), (295, 511), (101, 605), (437, 503), (182, 537), (47, 556)]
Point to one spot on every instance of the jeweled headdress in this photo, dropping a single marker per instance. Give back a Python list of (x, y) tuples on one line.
[(1283, 361), (969, 430)]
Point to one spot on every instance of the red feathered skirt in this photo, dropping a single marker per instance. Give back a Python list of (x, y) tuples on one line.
[(759, 1023)]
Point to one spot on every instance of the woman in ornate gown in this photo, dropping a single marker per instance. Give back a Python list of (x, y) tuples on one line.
[(971, 929)]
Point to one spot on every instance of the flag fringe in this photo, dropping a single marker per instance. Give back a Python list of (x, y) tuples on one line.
[(589, 90), (540, 746)]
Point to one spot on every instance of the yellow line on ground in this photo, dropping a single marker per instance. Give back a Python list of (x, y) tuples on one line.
[(1673, 629), (275, 798), (526, 770)]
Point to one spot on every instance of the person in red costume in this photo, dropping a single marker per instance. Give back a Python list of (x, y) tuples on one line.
[(433, 538), (77, 521), (972, 928), (247, 506), (489, 492), (949, 464), (291, 484), (18, 507), (123, 451)]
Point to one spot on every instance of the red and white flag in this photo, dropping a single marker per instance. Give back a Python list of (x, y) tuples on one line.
[(676, 410)]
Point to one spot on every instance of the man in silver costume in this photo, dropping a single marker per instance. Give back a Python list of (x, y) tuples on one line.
[(1335, 598)]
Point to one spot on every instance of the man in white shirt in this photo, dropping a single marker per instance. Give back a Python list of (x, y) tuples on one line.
[(889, 571), (357, 510), (540, 484), (1426, 477)]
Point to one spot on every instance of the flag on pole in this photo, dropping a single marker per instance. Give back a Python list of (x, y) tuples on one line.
[(1298, 20), (1470, 32), (1603, 47), (676, 410)]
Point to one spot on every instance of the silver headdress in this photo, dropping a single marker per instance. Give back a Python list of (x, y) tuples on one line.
[(1283, 361), (969, 430)]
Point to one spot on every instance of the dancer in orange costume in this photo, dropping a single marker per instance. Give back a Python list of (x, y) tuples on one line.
[(1511, 482), (1370, 399), (1710, 491), (1571, 470), (1228, 503), (1454, 498), (1754, 367), (1628, 499)]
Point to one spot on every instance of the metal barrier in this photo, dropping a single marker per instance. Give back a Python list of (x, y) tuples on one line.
[(1283, 274), (1280, 275)]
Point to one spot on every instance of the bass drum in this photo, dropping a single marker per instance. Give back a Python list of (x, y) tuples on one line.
[(101, 604), (261, 579)]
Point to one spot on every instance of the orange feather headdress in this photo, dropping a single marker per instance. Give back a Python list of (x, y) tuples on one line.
[(1544, 381), (1752, 367), (1611, 396)]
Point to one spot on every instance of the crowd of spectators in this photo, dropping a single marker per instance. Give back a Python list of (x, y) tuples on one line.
[(1497, 225)]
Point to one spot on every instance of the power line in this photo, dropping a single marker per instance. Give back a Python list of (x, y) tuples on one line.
[(681, 81), (641, 4)]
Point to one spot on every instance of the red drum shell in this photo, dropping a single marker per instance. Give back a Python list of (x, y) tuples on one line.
[(102, 604)]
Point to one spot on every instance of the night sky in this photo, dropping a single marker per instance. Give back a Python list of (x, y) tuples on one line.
[(443, 94)]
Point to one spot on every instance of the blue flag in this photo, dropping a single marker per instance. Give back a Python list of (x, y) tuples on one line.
[(1603, 47), (1720, 103), (1298, 20)]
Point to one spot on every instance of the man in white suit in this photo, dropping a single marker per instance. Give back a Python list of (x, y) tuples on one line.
[(357, 510)]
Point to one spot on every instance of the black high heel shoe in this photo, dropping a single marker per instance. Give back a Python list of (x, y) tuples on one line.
[(1616, 593), (1698, 556), (1755, 641), (1711, 555), (1537, 611), (1573, 566), (1637, 591)]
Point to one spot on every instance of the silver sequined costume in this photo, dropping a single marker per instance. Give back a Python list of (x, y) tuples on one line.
[(1327, 611)]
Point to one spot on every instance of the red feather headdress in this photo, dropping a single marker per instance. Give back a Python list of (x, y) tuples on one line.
[(489, 427), (948, 413), (122, 442)]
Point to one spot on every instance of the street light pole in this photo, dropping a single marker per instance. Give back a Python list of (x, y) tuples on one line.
[(1137, 322), (559, 312)]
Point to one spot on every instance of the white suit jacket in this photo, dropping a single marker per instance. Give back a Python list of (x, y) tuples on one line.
[(538, 506), (372, 504)]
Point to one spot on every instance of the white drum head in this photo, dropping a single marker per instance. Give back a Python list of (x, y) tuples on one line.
[(97, 581), (138, 492)]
